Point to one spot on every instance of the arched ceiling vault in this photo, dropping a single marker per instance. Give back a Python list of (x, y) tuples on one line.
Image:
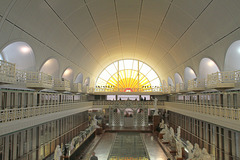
[(91, 34)]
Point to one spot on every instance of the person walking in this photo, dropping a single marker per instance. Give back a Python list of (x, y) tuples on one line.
[(94, 157)]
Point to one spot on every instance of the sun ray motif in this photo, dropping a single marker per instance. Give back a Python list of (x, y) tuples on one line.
[(127, 76)]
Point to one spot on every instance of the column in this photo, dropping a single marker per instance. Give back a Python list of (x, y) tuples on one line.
[(15, 146), (213, 141), (6, 149), (34, 143), (8, 100)]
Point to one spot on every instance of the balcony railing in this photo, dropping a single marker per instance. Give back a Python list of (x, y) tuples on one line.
[(127, 103), (224, 79), (21, 77), (76, 87), (155, 89), (39, 80), (180, 87), (7, 115), (61, 85), (171, 89), (7, 72), (196, 84), (225, 112)]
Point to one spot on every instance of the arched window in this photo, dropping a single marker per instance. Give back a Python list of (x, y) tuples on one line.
[(170, 81), (232, 57), (21, 54), (189, 74), (79, 78), (128, 76), (87, 81), (177, 78), (207, 66), (1, 58), (68, 74), (51, 67)]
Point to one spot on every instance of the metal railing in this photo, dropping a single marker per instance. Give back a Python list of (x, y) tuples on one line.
[(7, 115)]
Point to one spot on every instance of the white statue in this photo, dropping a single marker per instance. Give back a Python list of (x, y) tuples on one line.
[(155, 106), (190, 150), (57, 153), (172, 140), (94, 122), (71, 147), (179, 149), (205, 155), (161, 125), (196, 152), (167, 135), (178, 132), (165, 129)]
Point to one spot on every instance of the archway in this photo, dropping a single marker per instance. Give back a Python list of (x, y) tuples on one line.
[(51, 66), (21, 54)]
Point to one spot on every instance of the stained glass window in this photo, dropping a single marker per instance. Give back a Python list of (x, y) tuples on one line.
[(128, 76)]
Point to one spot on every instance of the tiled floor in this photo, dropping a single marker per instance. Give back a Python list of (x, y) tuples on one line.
[(103, 148)]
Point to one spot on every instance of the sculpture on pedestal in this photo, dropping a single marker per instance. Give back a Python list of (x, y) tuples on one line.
[(196, 152), (178, 132), (205, 155), (165, 129), (179, 149), (172, 140), (161, 125), (57, 153), (190, 150), (167, 135), (94, 122)]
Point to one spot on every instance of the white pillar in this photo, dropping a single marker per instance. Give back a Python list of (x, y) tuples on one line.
[(6, 147)]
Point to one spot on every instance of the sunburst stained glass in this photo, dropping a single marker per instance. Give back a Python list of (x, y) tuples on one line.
[(128, 76)]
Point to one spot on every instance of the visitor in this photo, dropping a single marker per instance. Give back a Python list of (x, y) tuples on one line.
[(94, 157)]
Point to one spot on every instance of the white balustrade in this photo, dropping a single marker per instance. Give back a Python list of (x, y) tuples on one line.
[(39, 80), (7, 115), (196, 84), (225, 79), (180, 87), (76, 87), (171, 89), (21, 77), (61, 85), (154, 89), (7, 72)]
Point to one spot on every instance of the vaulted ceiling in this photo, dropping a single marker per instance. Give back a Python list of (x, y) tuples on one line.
[(166, 34)]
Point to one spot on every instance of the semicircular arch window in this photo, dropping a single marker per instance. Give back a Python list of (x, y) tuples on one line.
[(128, 76)]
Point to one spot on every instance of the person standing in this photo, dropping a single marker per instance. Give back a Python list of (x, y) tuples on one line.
[(94, 157)]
